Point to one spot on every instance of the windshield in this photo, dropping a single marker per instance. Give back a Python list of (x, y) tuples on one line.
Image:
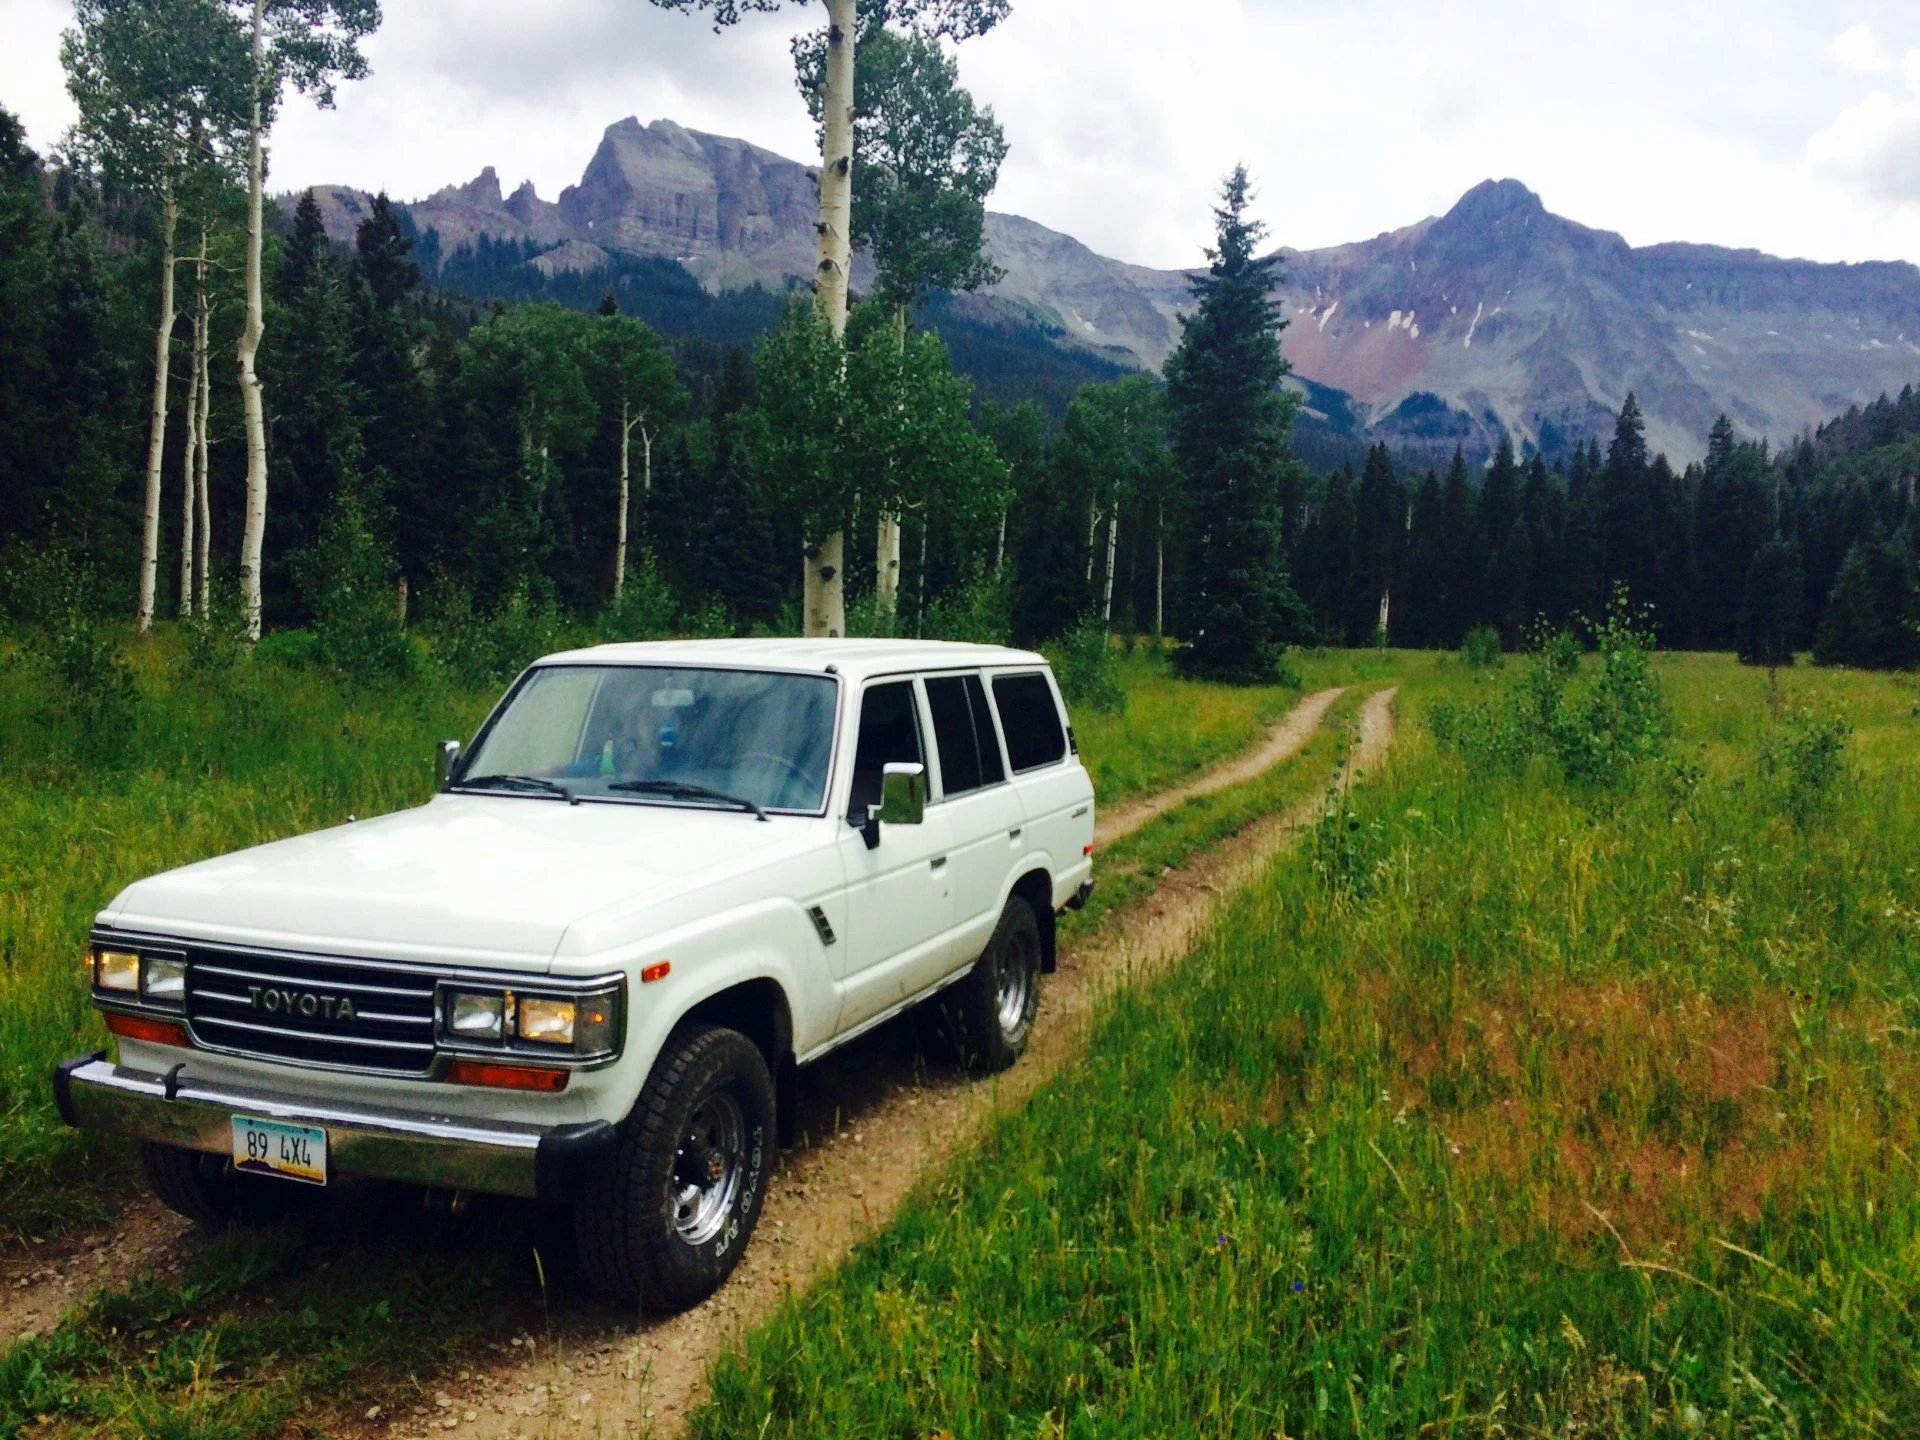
[(655, 734)]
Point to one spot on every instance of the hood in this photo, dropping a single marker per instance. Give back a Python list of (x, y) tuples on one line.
[(491, 880)]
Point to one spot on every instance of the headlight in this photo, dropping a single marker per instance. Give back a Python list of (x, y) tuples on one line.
[(117, 970), (164, 980), (547, 1022), (585, 1026), (477, 1017)]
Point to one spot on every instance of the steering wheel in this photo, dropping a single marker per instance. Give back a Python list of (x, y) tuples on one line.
[(794, 773)]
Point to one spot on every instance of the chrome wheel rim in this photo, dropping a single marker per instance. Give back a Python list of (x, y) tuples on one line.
[(1013, 994), (708, 1167)]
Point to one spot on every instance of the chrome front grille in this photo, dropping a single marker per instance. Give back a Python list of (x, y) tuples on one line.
[(353, 1014)]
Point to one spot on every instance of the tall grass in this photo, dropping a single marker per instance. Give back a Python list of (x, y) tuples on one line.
[(1536, 1108)]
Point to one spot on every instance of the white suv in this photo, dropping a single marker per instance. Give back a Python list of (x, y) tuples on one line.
[(662, 878)]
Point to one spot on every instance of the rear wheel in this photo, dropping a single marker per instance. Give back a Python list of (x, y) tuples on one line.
[(205, 1189), (987, 1019), (666, 1223)]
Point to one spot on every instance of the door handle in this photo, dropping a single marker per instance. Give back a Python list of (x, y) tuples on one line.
[(939, 862), (1014, 834)]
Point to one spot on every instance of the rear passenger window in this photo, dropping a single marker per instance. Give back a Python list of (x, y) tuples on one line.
[(962, 728), (1030, 720)]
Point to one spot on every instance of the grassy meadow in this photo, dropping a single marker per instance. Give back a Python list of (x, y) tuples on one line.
[(212, 761), (1510, 1105)]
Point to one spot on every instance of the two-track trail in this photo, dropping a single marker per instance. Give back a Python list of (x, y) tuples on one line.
[(892, 1127), (876, 1121)]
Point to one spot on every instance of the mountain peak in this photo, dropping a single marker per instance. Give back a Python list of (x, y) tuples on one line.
[(1492, 201)]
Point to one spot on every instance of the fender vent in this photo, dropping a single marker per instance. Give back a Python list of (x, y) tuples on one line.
[(819, 918)]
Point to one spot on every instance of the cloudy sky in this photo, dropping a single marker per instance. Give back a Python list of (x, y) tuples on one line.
[(1789, 125)]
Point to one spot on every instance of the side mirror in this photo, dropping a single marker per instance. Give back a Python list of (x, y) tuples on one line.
[(446, 756), (903, 795)]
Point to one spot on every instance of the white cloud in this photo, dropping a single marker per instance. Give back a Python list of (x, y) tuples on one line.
[(1858, 48), (1875, 143)]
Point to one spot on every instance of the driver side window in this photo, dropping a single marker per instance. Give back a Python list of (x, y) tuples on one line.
[(889, 735)]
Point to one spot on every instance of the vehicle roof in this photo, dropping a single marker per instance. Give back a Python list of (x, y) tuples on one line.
[(855, 659)]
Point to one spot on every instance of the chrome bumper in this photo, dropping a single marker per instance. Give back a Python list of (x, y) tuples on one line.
[(456, 1154)]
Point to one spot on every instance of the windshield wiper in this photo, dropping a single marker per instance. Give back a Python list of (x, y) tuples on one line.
[(681, 789), (522, 782)]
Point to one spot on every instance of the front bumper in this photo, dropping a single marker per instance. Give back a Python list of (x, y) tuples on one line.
[(501, 1158)]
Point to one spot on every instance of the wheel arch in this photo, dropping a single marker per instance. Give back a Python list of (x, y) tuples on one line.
[(1036, 888)]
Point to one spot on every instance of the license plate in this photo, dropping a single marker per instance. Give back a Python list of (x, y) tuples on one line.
[(268, 1147)]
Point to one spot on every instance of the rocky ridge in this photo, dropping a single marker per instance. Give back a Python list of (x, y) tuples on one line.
[(1497, 316)]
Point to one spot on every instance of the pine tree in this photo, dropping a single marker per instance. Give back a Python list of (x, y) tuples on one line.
[(1502, 550), (1870, 618), (319, 410), (1770, 615), (1379, 542), (1733, 521), (1460, 567), (1230, 427)]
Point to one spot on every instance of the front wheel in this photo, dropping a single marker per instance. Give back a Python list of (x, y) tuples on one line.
[(206, 1190), (667, 1221), (987, 1019)]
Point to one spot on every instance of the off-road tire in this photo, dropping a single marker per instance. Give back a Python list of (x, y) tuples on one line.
[(985, 1020), (205, 1189), (631, 1247)]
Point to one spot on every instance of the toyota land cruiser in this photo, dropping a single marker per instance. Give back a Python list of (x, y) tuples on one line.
[(660, 879)]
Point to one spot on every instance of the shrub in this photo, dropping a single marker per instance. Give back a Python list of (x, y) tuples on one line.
[(1598, 732), (1088, 670), (55, 609), (481, 650), (346, 578), (1481, 649), (216, 641), (980, 611), (643, 610), (1806, 761)]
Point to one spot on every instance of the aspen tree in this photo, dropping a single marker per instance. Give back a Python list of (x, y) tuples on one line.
[(312, 45), (823, 600), (160, 86)]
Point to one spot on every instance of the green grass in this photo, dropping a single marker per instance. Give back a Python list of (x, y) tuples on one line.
[(1559, 1113), (211, 765)]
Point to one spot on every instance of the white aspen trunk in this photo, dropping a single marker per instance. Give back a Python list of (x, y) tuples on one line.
[(886, 574), (626, 493), (823, 598), (189, 448), (1385, 596), (920, 606), (823, 595), (1113, 540), (1000, 544), (157, 423), (1093, 532), (886, 548), (1159, 577), (202, 503), (253, 402), (646, 460)]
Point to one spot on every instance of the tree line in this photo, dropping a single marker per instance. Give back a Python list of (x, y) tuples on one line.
[(328, 428)]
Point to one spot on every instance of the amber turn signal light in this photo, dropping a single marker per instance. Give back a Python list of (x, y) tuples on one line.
[(507, 1077), (154, 1032), (657, 971)]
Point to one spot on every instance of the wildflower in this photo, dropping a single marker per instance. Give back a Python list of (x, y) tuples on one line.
[(1298, 1286)]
